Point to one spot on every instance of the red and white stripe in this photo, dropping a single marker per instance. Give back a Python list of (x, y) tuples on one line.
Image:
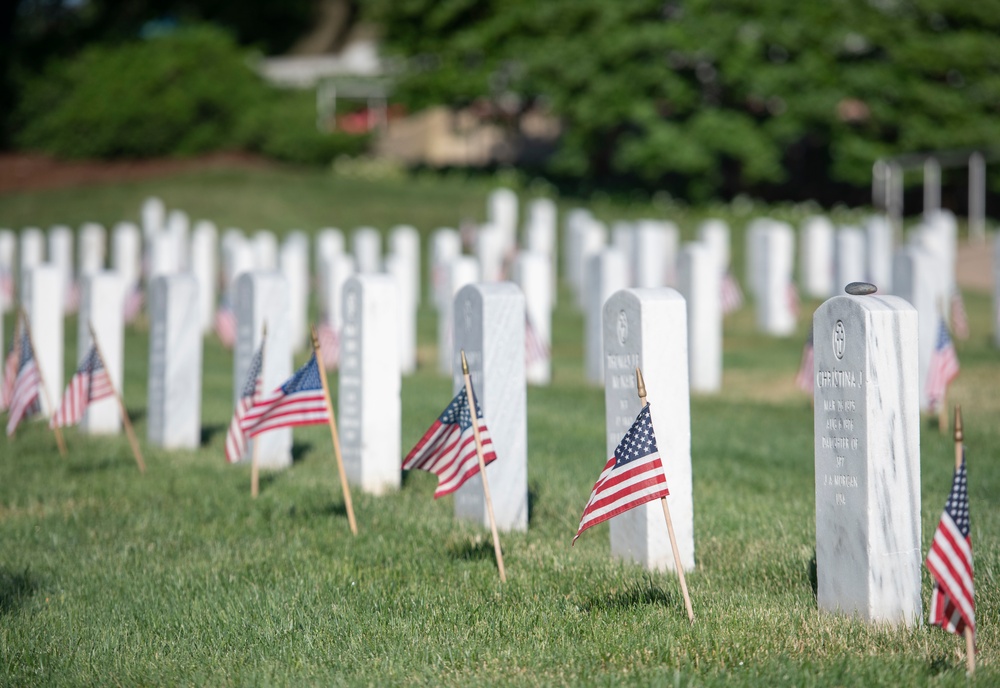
[(27, 386), (450, 453), (280, 410), (536, 349), (804, 378), (617, 491), (959, 318), (950, 562), (329, 344), (84, 387), (225, 326), (9, 375), (732, 295), (236, 440)]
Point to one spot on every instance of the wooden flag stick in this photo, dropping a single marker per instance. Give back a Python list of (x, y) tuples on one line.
[(129, 432), (255, 460), (482, 467), (333, 432), (641, 385), (45, 390), (970, 642)]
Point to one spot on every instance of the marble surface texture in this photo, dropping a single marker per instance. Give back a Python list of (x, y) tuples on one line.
[(867, 459), (605, 275), (700, 282), (913, 272), (816, 257), (102, 297), (41, 295)]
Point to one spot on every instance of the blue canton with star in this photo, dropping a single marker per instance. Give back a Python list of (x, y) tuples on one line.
[(250, 386), (91, 363), (639, 441), (458, 413), (26, 352), (306, 378), (957, 505)]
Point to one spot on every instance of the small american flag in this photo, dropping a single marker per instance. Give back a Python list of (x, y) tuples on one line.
[(448, 448), (27, 385), (792, 295), (9, 372), (804, 378), (89, 383), (959, 318), (632, 477), (943, 367), (732, 295), (133, 303), (329, 344), (300, 400), (236, 441), (953, 606), (225, 324), (6, 285), (536, 350)]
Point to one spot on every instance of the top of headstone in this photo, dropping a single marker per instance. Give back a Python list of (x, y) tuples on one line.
[(860, 289)]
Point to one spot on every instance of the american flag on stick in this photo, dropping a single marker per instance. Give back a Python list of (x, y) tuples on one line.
[(732, 295), (448, 448), (24, 397), (10, 367), (300, 400), (953, 605), (632, 477), (329, 344), (133, 303), (89, 383), (804, 378), (792, 297), (225, 324), (943, 367), (536, 350), (236, 441)]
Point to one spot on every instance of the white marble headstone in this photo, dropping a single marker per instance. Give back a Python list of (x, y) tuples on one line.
[(623, 239), (816, 257), (154, 216), (164, 255), (446, 245), (333, 272), (648, 328), (658, 266), (265, 251), (879, 247), (262, 298), (491, 252), (592, 240), (174, 406), (32, 249), (41, 296), (61, 255), (369, 406), (775, 303), (126, 254), (501, 212), (8, 268), (404, 242), (461, 271), (540, 235), (204, 264), (400, 268), (867, 453), (489, 327), (576, 221), (852, 264), (367, 245), (700, 282), (532, 271), (914, 275), (102, 297), (605, 275), (93, 247), (179, 226), (329, 242), (714, 233), (294, 261), (237, 258)]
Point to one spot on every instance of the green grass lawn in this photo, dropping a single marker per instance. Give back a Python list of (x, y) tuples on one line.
[(109, 577)]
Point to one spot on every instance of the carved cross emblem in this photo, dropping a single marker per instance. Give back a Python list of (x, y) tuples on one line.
[(839, 339)]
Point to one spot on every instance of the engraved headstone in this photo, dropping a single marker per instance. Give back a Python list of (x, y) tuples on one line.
[(41, 296), (700, 282), (400, 268), (369, 407), (102, 297), (605, 275), (205, 266), (489, 327), (532, 272), (460, 272), (61, 255), (174, 405), (446, 245), (867, 455), (775, 296), (367, 245), (915, 274), (852, 265), (262, 298), (93, 247), (294, 261), (816, 257), (648, 328)]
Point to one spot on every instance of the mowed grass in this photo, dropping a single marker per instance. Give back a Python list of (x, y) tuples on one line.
[(178, 577)]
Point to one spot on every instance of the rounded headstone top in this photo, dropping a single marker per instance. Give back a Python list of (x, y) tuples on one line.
[(860, 289)]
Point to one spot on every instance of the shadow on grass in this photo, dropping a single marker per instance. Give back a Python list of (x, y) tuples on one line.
[(470, 548), (135, 416), (812, 574), (300, 449), (209, 431), (105, 464), (639, 594), (15, 589), (532, 500)]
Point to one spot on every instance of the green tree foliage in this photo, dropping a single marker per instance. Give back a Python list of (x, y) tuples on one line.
[(704, 96)]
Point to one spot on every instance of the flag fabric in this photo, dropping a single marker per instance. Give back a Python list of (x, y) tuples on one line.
[(792, 296), (959, 318), (448, 448), (804, 378), (300, 400), (632, 477), (236, 440), (27, 385), (133, 303), (225, 324), (732, 295), (329, 344), (89, 383), (535, 348), (6, 285), (943, 367), (953, 605), (9, 372)]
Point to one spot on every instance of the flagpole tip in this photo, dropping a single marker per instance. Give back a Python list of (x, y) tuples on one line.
[(465, 364), (640, 383)]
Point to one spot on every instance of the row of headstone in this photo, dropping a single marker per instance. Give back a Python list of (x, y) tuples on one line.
[(831, 258)]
